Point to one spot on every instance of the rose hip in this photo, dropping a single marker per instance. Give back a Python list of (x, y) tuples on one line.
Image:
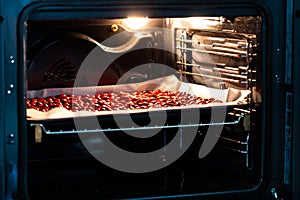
[(118, 101), (62, 96)]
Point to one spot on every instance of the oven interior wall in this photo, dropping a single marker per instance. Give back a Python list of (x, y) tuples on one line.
[(59, 166), (69, 43)]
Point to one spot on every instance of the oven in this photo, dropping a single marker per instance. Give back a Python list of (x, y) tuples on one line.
[(148, 100)]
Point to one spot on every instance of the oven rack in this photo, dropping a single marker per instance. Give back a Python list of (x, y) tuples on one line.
[(224, 50), (49, 132), (212, 77), (239, 44), (239, 54), (238, 75), (240, 72), (40, 128), (232, 144), (243, 151), (239, 146)]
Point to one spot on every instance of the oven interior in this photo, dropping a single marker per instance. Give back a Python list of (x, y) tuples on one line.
[(216, 52)]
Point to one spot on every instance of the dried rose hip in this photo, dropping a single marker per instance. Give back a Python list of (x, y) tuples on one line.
[(118, 101)]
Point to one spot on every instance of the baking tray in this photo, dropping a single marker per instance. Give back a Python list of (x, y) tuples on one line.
[(229, 97)]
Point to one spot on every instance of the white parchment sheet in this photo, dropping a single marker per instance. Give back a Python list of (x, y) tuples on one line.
[(228, 96)]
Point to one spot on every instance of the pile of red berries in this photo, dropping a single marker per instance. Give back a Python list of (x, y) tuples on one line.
[(117, 101)]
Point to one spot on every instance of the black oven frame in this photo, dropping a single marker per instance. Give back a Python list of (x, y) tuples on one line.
[(13, 26)]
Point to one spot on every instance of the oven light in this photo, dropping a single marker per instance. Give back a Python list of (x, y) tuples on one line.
[(135, 23)]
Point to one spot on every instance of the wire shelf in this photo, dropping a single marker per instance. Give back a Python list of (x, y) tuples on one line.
[(49, 132)]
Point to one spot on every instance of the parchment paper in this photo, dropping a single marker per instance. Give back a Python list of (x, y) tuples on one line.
[(228, 96)]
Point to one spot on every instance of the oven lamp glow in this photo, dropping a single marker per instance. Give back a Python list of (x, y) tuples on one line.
[(135, 23)]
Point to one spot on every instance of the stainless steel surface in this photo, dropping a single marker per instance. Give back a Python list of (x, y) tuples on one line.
[(235, 55), (136, 128), (213, 77)]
